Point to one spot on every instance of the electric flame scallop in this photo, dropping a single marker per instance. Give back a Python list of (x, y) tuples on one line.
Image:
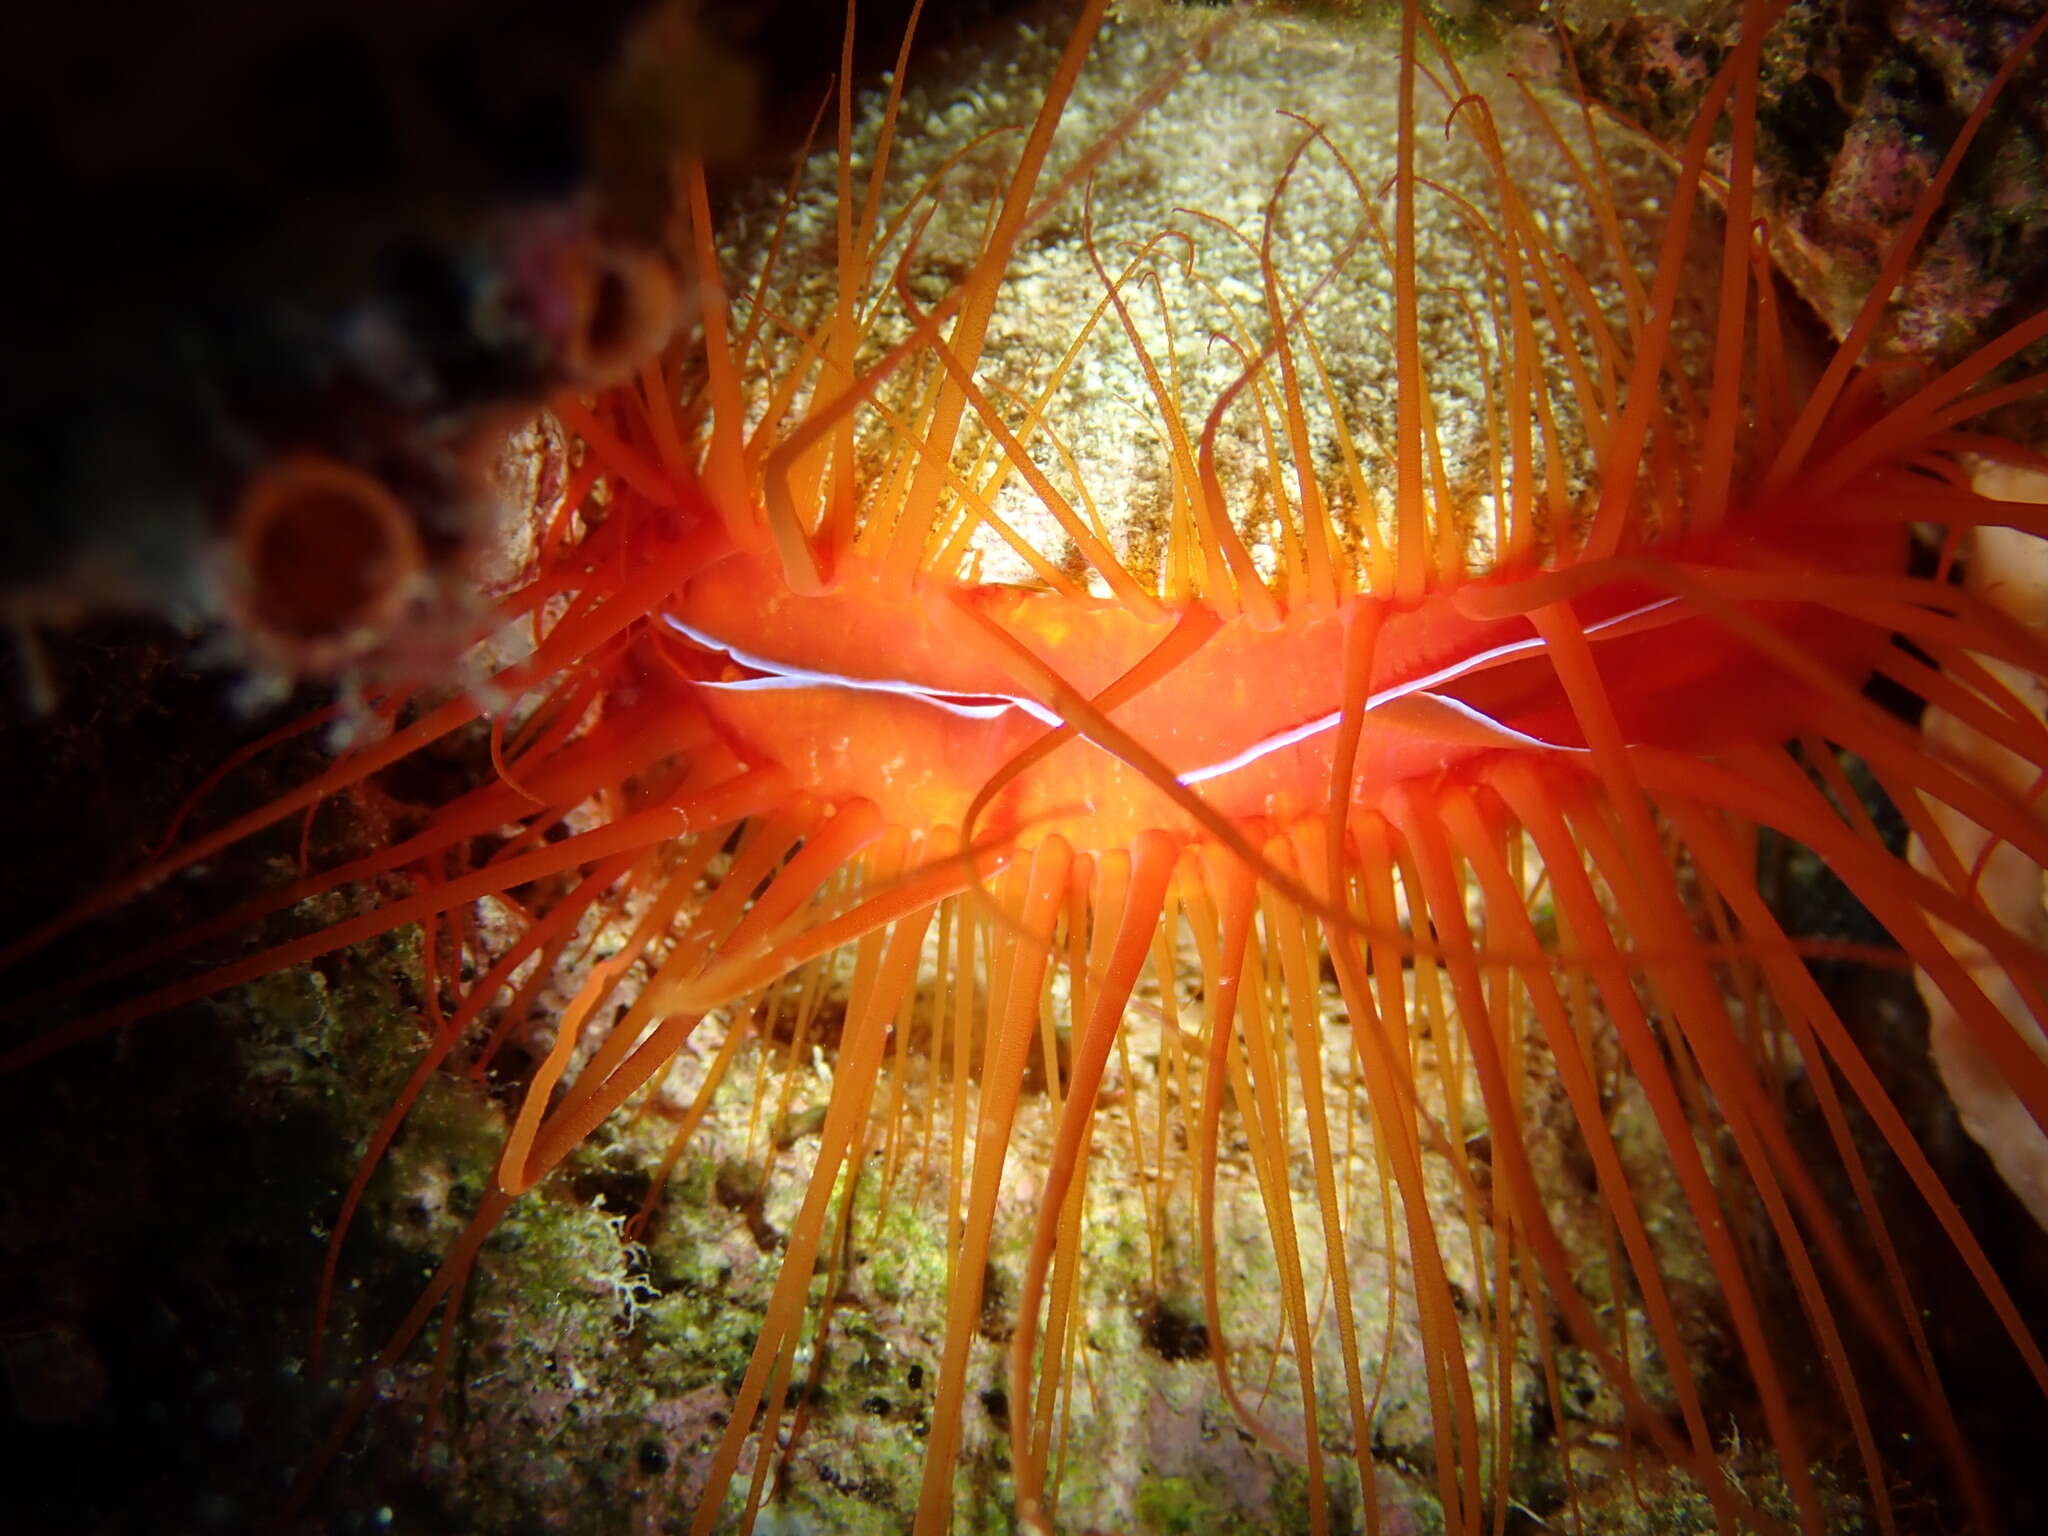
[(1238, 596)]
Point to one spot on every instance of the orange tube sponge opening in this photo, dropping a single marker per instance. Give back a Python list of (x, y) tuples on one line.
[(323, 553)]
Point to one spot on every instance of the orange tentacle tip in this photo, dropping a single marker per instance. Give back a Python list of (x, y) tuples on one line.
[(1234, 707)]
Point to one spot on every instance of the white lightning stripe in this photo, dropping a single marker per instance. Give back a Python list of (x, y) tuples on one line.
[(1494, 727), (1270, 745), (1425, 685), (780, 675)]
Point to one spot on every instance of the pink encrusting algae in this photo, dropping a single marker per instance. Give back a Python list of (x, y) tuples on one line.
[(1337, 759)]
